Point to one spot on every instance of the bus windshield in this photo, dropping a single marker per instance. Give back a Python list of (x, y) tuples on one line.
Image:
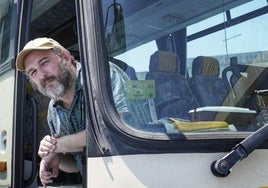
[(176, 67)]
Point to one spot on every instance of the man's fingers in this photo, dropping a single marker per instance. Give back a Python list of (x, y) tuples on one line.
[(50, 139), (45, 176), (56, 135), (48, 171), (55, 171), (45, 181), (47, 148), (47, 144), (42, 153)]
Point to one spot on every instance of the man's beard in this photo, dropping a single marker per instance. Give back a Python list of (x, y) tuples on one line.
[(64, 81)]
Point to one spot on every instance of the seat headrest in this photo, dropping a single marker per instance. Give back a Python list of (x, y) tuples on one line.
[(164, 61), (206, 66)]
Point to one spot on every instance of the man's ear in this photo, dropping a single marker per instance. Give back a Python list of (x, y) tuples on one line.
[(67, 56)]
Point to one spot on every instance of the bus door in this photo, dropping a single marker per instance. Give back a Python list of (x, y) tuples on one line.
[(8, 29), (14, 106), (57, 20), (175, 86)]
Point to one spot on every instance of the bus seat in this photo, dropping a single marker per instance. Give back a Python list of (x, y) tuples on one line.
[(208, 87), (174, 97)]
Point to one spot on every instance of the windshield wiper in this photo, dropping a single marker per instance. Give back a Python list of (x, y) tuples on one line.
[(222, 167)]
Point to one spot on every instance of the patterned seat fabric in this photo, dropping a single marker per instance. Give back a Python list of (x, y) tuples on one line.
[(174, 97), (206, 84)]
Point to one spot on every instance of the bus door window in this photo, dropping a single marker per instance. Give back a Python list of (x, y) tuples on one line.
[(212, 38)]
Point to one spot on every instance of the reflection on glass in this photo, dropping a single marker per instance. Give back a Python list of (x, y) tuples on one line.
[(219, 87)]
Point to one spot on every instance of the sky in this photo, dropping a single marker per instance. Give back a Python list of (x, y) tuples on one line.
[(251, 36)]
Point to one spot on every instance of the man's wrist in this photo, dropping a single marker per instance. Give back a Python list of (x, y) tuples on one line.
[(49, 157)]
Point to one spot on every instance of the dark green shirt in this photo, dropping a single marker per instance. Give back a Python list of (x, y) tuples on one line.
[(64, 122)]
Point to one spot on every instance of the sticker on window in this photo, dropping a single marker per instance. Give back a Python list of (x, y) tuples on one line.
[(140, 89)]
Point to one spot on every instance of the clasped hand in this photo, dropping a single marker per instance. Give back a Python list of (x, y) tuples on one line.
[(49, 165)]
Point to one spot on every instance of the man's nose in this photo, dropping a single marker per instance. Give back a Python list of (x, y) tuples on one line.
[(42, 74)]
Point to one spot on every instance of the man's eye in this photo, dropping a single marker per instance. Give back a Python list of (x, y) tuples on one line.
[(32, 74), (44, 62)]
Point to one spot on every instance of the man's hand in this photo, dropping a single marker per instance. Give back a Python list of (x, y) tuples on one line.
[(49, 169), (65, 144), (47, 145)]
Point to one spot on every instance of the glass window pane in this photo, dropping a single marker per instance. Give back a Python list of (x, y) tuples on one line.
[(224, 69), (6, 31), (248, 7)]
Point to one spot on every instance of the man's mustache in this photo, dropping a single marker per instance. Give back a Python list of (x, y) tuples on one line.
[(47, 79)]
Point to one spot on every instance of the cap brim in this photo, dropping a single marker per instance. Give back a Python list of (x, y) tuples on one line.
[(24, 53)]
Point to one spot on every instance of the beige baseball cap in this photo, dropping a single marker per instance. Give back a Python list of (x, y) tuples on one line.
[(36, 44)]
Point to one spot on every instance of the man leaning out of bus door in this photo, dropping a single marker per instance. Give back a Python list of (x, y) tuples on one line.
[(54, 72)]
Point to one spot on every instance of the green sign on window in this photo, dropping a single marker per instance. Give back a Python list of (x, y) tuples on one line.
[(140, 89)]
